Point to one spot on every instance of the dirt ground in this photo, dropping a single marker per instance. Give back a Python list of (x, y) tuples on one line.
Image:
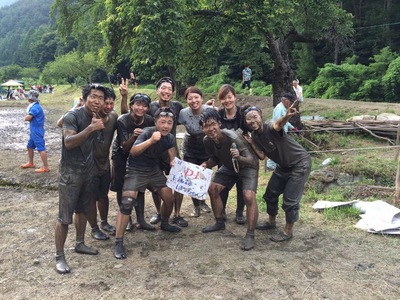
[(321, 261)]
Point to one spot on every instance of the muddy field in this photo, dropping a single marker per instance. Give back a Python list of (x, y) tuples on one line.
[(322, 261)]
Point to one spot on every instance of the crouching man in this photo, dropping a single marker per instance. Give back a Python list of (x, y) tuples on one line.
[(229, 149), (143, 172)]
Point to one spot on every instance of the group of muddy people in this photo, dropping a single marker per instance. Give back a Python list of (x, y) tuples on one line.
[(228, 137)]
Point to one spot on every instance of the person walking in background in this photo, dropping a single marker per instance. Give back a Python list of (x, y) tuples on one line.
[(298, 90), (36, 118), (133, 80), (279, 111), (246, 79)]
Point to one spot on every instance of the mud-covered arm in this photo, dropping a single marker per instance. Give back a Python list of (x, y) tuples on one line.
[(260, 154), (141, 147)]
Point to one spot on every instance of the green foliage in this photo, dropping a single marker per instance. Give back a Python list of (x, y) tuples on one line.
[(391, 81), (370, 90), (20, 25), (337, 81), (212, 83), (10, 72), (71, 66)]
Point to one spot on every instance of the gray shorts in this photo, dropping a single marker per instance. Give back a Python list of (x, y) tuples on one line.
[(136, 180), (228, 178), (75, 193)]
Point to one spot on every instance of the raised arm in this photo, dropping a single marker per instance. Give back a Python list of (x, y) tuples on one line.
[(290, 112)]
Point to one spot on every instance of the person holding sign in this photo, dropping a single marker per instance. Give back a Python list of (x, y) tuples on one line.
[(228, 148), (143, 172), (192, 146)]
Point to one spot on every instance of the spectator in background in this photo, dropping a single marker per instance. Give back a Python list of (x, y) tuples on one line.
[(35, 117), (298, 90), (132, 79), (279, 111), (246, 79)]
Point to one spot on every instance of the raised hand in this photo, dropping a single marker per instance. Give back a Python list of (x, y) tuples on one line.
[(123, 87), (97, 123), (156, 136)]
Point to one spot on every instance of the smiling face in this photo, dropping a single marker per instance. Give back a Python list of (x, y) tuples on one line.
[(194, 101), (164, 124), (254, 121), (139, 109), (212, 129), (228, 101), (165, 92), (95, 100)]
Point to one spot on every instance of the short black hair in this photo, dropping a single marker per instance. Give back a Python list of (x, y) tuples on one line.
[(92, 86), (139, 97), (209, 113), (110, 93), (166, 79)]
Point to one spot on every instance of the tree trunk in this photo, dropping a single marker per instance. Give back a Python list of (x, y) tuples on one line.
[(283, 75)]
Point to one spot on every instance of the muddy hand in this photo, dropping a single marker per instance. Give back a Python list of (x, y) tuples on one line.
[(97, 123)]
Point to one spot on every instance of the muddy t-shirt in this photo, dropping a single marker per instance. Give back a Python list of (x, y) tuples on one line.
[(102, 143), (175, 106), (125, 128), (79, 159), (148, 160), (221, 153), (192, 145), (279, 147)]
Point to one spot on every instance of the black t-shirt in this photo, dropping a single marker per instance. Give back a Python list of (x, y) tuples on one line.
[(148, 160), (125, 128), (175, 106), (79, 159), (221, 153), (233, 123), (279, 147)]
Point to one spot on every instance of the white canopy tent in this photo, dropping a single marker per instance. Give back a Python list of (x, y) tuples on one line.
[(12, 83)]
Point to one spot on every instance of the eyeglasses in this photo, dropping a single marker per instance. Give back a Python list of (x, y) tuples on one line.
[(247, 110)]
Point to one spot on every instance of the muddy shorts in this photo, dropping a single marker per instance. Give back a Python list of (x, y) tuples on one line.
[(136, 180), (228, 178), (101, 184), (75, 193)]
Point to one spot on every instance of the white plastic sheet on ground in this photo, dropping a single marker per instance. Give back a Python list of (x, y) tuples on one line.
[(377, 216)]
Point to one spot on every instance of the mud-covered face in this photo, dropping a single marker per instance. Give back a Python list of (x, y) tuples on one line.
[(164, 124), (253, 120), (108, 106), (95, 100), (212, 129), (139, 108), (165, 91)]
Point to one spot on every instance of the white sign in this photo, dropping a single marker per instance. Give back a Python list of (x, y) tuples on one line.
[(189, 179)]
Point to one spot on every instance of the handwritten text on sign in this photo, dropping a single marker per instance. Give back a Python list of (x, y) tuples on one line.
[(189, 179)]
